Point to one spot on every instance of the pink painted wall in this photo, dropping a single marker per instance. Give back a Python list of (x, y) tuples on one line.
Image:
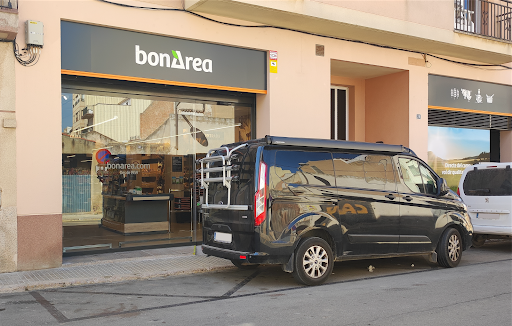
[(432, 13), (418, 104), (387, 109)]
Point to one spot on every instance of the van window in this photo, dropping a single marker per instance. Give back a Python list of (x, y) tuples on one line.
[(429, 181), (417, 177), (364, 171), (301, 167), (488, 182)]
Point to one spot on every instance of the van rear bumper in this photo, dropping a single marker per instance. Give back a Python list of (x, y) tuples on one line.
[(492, 230), (250, 257)]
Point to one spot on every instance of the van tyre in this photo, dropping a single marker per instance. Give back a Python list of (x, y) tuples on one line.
[(313, 261), (449, 248), (244, 266)]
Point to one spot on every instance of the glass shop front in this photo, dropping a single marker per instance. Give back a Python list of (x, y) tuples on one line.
[(128, 160)]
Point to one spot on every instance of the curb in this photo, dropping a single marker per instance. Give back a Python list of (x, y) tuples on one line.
[(202, 265)]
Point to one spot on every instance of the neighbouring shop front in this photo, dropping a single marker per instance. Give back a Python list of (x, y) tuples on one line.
[(137, 111), (466, 119)]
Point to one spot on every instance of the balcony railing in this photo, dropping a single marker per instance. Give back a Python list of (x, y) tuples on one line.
[(87, 113), (9, 4), (482, 17)]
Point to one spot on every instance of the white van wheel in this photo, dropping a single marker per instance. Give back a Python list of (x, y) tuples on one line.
[(449, 248), (478, 241), (313, 261)]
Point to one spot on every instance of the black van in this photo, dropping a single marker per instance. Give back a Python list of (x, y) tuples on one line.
[(305, 203)]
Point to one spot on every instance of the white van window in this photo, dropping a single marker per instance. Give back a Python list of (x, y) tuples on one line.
[(488, 182)]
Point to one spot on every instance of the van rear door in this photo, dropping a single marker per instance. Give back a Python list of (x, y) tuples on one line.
[(302, 189), (229, 190), (487, 191)]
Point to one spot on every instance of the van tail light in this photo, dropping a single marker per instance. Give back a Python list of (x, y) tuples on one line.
[(260, 209), (458, 191)]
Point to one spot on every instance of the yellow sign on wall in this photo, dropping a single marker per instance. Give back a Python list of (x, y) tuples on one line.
[(273, 62)]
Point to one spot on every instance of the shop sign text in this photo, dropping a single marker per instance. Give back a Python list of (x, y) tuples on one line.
[(164, 60)]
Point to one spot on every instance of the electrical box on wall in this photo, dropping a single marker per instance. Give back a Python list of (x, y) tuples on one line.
[(34, 34)]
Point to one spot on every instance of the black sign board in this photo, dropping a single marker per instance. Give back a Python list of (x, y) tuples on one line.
[(177, 164), (119, 54), (469, 94)]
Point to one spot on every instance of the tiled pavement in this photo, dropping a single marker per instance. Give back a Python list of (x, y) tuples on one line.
[(114, 267)]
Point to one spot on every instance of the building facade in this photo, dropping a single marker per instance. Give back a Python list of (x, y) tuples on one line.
[(102, 124)]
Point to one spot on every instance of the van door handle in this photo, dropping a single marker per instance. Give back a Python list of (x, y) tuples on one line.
[(390, 196), (408, 198)]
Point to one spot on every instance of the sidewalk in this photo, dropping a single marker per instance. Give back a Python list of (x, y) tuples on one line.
[(114, 267)]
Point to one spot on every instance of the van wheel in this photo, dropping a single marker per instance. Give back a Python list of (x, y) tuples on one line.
[(449, 248), (244, 266), (478, 241), (313, 261)]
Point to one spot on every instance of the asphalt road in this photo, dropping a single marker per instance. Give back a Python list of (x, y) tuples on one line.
[(405, 291)]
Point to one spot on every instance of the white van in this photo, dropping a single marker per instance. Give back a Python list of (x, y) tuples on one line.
[(486, 188)]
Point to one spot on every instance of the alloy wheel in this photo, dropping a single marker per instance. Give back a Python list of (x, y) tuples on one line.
[(315, 261), (454, 247)]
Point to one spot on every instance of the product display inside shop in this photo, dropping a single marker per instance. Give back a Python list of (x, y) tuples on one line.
[(128, 167), (134, 200)]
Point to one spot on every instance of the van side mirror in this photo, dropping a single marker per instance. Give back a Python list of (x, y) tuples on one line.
[(442, 187)]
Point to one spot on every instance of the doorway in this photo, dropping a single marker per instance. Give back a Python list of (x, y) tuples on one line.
[(339, 113)]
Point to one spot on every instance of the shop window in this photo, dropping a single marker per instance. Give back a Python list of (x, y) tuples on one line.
[(128, 166)]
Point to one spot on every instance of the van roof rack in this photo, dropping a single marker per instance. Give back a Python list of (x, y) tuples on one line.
[(327, 143), (336, 144)]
